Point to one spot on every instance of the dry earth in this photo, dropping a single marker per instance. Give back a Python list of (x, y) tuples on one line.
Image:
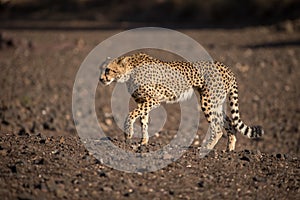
[(43, 158)]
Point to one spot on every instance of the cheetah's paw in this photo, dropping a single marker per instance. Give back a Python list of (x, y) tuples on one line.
[(144, 141)]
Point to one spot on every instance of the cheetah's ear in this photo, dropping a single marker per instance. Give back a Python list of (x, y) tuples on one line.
[(125, 61)]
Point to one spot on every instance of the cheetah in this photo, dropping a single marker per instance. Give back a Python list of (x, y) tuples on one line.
[(151, 81)]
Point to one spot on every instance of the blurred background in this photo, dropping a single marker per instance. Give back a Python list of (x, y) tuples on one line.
[(126, 13)]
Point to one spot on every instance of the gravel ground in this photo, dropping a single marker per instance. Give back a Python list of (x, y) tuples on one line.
[(42, 156)]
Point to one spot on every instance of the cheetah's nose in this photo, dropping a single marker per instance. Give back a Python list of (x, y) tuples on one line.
[(104, 80)]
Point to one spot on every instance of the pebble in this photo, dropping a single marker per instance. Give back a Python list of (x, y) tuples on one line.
[(95, 194), (43, 140), (55, 152), (25, 196), (13, 168), (102, 173), (51, 185), (62, 140), (3, 152), (242, 67), (259, 179), (23, 131), (106, 189), (167, 156), (39, 161), (201, 184), (280, 156), (60, 193), (245, 158)]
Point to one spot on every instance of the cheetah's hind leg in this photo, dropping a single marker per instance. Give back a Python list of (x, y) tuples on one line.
[(231, 133), (214, 132), (213, 111)]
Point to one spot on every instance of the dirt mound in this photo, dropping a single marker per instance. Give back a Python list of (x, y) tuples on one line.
[(37, 166)]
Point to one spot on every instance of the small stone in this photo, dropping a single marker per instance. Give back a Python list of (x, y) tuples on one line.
[(25, 196), (95, 194), (84, 192), (280, 156), (39, 161), (287, 88), (245, 158), (256, 98), (248, 52), (259, 179), (289, 27), (6, 122), (43, 187), (62, 140), (242, 68), (171, 192), (13, 168), (102, 173), (60, 193), (51, 185), (55, 152), (75, 181), (23, 131), (46, 126), (3, 152), (167, 156), (106, 189), (201, 184), (43, 140), (247, 151)]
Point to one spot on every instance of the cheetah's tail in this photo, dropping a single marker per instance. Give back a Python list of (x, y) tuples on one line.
[(249, 131)]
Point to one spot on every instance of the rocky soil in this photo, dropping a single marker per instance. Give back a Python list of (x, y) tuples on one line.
[(42, 156)]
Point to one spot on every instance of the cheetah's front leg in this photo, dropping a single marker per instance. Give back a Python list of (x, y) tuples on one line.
[(142, 111), (144, 122), (128, 125)]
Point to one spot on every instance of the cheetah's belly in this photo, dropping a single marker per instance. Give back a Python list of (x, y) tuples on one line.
[(187, 94)]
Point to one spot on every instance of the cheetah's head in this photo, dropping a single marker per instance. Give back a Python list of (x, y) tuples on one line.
[(116, 70)]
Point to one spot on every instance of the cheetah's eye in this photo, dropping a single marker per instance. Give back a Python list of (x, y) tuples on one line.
[(107, 70)]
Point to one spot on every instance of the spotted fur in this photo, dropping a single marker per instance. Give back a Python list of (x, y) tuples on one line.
[(151, 81)]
